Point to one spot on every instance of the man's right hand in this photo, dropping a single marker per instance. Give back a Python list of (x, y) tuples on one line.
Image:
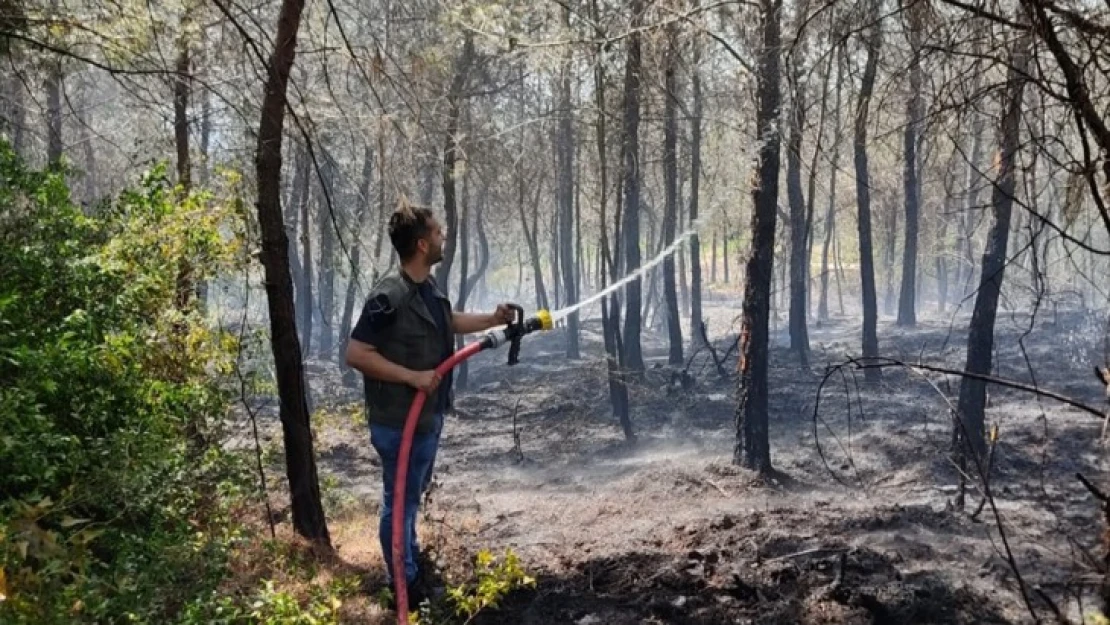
[(426, 381)]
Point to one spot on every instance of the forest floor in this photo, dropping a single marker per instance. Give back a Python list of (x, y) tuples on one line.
[(667, 530)]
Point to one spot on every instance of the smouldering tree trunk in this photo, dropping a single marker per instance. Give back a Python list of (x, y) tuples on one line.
[(872, 42), (753, 447), (980, 340), (670, 210), (300, 462), (633, 356), (907, 302), (799, 335)]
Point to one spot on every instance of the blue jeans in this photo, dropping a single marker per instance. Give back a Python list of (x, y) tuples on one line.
[(387, 442)]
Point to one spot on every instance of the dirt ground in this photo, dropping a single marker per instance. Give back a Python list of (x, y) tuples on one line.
[(667, 530)]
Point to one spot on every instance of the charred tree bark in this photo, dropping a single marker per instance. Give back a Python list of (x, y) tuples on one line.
[(300, 462), (633, 356), (872, 42), (907, 300), (980, 341), (670, 209), (753, 447), (799, 334)]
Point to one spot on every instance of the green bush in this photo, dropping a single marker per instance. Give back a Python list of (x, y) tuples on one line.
[(114, 506)]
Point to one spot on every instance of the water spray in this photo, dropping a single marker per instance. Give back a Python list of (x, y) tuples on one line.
[(511, 334)]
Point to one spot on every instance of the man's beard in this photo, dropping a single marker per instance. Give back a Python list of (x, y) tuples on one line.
[(434, 256)]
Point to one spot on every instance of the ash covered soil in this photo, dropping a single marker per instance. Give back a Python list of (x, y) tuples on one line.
[(857, 524)]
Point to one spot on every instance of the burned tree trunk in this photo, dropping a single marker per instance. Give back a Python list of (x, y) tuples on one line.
[(670, 210), (799, 335), (907, 301), (863, 198), (300, 462), (980, 341), (753, 447), (181, 116), (633, 356)]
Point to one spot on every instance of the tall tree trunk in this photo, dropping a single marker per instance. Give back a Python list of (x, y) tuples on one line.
[(450, 157), (811, 189), (610, 308), (696, 314), (670, 208), (205, 137), (753, 447), (713, 260), (350, 375), (725, 233), (291, 221), (633, 356), (907, 303), (941, 245), (564, 148), (533, 246), (326, 274), (971, 207), (483, 243), (799, 334), (980, 340), (863, 197), (181, 116), (305, 301), (462, 378), (54, 87), (890, 246), (300, 462)]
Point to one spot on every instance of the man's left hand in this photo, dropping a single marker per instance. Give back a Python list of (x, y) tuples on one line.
[(503, 315)]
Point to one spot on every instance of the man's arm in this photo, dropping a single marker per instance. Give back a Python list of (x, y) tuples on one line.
[(469, 323), (367, 359)]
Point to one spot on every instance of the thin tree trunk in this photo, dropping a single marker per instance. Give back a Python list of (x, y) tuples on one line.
[(53, 87), (462, 371), (724, 251), (670, 209), (564, 149), (753, 448), (181, 116), (830, 214), (713, 268), (304, 295), (350, 375), (890, 245), (450, 157), (633, 356), (907, 302), (610, 308), (300, 462), (863, 198), (799, 334), (980, 341), (326, 274), (696, 314)]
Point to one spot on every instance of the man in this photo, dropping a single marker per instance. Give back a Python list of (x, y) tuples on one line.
[(405, 330)]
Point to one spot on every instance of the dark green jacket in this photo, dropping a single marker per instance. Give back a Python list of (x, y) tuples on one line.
[(412, 341)]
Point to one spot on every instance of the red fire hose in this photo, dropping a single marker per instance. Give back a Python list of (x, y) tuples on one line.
[(511, 334)]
